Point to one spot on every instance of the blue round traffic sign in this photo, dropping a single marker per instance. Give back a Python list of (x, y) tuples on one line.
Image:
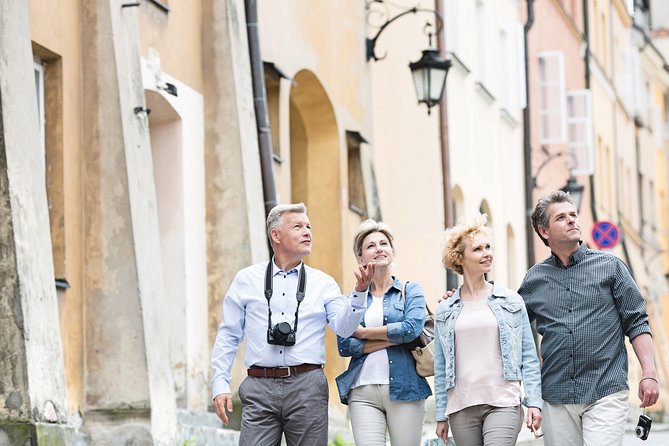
[(605, 234)]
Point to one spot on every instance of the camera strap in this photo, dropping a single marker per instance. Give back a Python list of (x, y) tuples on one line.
[(269, 289)]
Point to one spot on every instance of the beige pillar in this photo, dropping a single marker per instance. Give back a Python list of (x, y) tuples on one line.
[(32, 376), (235, 210), (129, 386)]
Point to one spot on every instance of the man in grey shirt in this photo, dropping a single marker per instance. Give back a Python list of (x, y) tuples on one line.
[(585, 302)]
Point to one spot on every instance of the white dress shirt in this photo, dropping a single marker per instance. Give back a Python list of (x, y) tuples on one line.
[(245, 314)]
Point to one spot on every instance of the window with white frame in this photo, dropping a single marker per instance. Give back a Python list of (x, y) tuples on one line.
[(636, 82), (453, 32), (512, 67), (552, 104), (38, 70), (482, 41), (579, 132), (505, 68)]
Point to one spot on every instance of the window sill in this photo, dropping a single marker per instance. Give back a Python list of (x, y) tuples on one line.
[(484, 92)]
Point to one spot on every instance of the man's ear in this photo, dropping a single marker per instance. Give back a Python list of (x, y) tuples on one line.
[(274, 235), (544, 232)]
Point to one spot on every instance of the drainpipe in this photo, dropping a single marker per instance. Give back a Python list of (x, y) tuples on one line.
[(586, 62), (527, 143), (260, 105), (451, 278)]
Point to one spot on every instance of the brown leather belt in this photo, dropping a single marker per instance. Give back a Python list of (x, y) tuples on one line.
[(281, 372)]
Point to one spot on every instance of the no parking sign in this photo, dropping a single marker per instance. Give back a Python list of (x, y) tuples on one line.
[(605, 234)]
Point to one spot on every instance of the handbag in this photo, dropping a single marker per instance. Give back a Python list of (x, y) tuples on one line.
[(422, 348)]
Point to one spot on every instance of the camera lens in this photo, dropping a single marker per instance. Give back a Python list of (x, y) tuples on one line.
[(281, 330), (639, 431)]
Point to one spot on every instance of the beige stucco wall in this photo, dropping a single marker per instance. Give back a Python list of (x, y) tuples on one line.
[(55, 26)]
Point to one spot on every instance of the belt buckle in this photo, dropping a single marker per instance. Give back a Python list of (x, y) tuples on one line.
[(287, 369)]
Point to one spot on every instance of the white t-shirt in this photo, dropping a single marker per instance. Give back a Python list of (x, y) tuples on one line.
[(375, 368)]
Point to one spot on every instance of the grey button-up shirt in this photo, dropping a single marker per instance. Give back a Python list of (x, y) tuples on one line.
[(583, 311)]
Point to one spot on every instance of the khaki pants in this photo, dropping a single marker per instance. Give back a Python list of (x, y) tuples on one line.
[(594, 424), (486, 425), (296, 407), (371, 411)]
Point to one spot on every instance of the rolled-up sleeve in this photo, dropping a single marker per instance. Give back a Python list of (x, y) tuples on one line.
[(440, 390), (350, 347), (629, 302)]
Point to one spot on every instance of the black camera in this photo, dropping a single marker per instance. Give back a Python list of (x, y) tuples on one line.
[(281, 334), (643, 427)]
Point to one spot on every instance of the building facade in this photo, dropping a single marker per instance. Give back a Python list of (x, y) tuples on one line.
[(132, 179)]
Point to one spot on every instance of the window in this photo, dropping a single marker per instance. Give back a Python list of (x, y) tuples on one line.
[(512, 67), (579, 129), (357, 199), (552, 107), (273, 76), (483, 56), (452, 26)]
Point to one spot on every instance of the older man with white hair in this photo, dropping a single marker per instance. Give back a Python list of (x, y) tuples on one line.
[(281, 307)]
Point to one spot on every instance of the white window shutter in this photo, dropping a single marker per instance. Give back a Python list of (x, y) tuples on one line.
[(453, 20), (624, 79), (520, 63), (637, 101), (579, 124), (552, 98), (482, 43), (506, 68)]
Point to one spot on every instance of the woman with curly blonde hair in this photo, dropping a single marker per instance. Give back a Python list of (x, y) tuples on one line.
[(485, 349)]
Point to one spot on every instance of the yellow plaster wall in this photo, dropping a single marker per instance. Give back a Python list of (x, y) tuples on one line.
[(177, 35), (56, 33)]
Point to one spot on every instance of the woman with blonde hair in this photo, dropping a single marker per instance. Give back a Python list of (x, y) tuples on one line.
[(381, 386), (484, 349)]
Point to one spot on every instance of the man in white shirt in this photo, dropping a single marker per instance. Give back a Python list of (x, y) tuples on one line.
[(283, 320)]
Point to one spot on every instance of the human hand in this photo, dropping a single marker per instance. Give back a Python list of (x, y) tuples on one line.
[(363, 276), (649, 391), (359, 333), (442, 430), (223, 405), (446, 295), (533, 419)]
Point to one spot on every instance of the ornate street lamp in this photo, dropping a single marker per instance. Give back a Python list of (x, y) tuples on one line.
[(429, 72), (429, 77)]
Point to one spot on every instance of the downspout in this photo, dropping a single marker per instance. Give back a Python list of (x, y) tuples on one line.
[(527, 143), (451, 278), (260, 106), (586, 62)]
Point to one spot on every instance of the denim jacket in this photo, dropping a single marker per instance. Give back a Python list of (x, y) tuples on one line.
[(405, 321), (519, 355)]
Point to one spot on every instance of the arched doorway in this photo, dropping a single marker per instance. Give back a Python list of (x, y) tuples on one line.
[(315, 157)]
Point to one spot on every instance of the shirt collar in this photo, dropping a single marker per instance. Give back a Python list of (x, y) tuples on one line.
[(276, 270), (396, 284), (500, 291), (497, 291), (576, 257)]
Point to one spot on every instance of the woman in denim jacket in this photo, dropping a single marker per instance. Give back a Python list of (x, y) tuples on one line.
[(381, 386), (485, 350)]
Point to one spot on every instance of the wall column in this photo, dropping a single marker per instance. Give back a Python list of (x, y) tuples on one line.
[(129, 386), (32, 375)]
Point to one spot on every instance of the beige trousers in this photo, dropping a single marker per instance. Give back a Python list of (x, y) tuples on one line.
[(595, 424), (371, 411)]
